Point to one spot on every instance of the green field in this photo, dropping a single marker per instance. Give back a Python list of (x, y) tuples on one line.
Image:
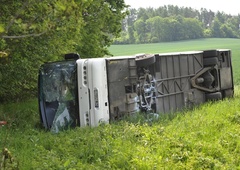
[(207, 137), (202, 44)]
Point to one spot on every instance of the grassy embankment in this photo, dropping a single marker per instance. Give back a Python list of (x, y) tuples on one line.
[(207, 137)]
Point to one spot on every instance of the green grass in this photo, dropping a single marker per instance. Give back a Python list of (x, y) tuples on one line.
[(199, 44), (207, 137)]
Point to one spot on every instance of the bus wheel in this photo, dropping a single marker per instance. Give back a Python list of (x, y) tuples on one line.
[(145, 60), (213, 96)]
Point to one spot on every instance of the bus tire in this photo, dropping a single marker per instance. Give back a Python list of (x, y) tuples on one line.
[(210, 53), (145, 60), (210, 61), (213, 96)]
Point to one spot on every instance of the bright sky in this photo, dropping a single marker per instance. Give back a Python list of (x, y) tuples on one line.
[(227, 6)]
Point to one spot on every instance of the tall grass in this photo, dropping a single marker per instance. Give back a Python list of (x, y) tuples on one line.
[(207, 137)]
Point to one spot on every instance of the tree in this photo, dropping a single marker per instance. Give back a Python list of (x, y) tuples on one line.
[(38, 31), (172, 23), (172, 29), (141, 32), (234, 24), (33, 32), (131, 18), (216, 31), (155, 26), (227, 31), (102, 22), (142, 14), (207, 17), (131, 35), (192, 28), (221, 17), (162, 11)]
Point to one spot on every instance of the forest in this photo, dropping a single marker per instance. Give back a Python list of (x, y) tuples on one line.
[(173, 23)]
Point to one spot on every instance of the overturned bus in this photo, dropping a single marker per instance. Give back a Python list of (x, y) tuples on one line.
[(87, 92)]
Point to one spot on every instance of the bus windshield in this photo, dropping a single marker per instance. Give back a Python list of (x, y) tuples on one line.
[(58, 95)]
